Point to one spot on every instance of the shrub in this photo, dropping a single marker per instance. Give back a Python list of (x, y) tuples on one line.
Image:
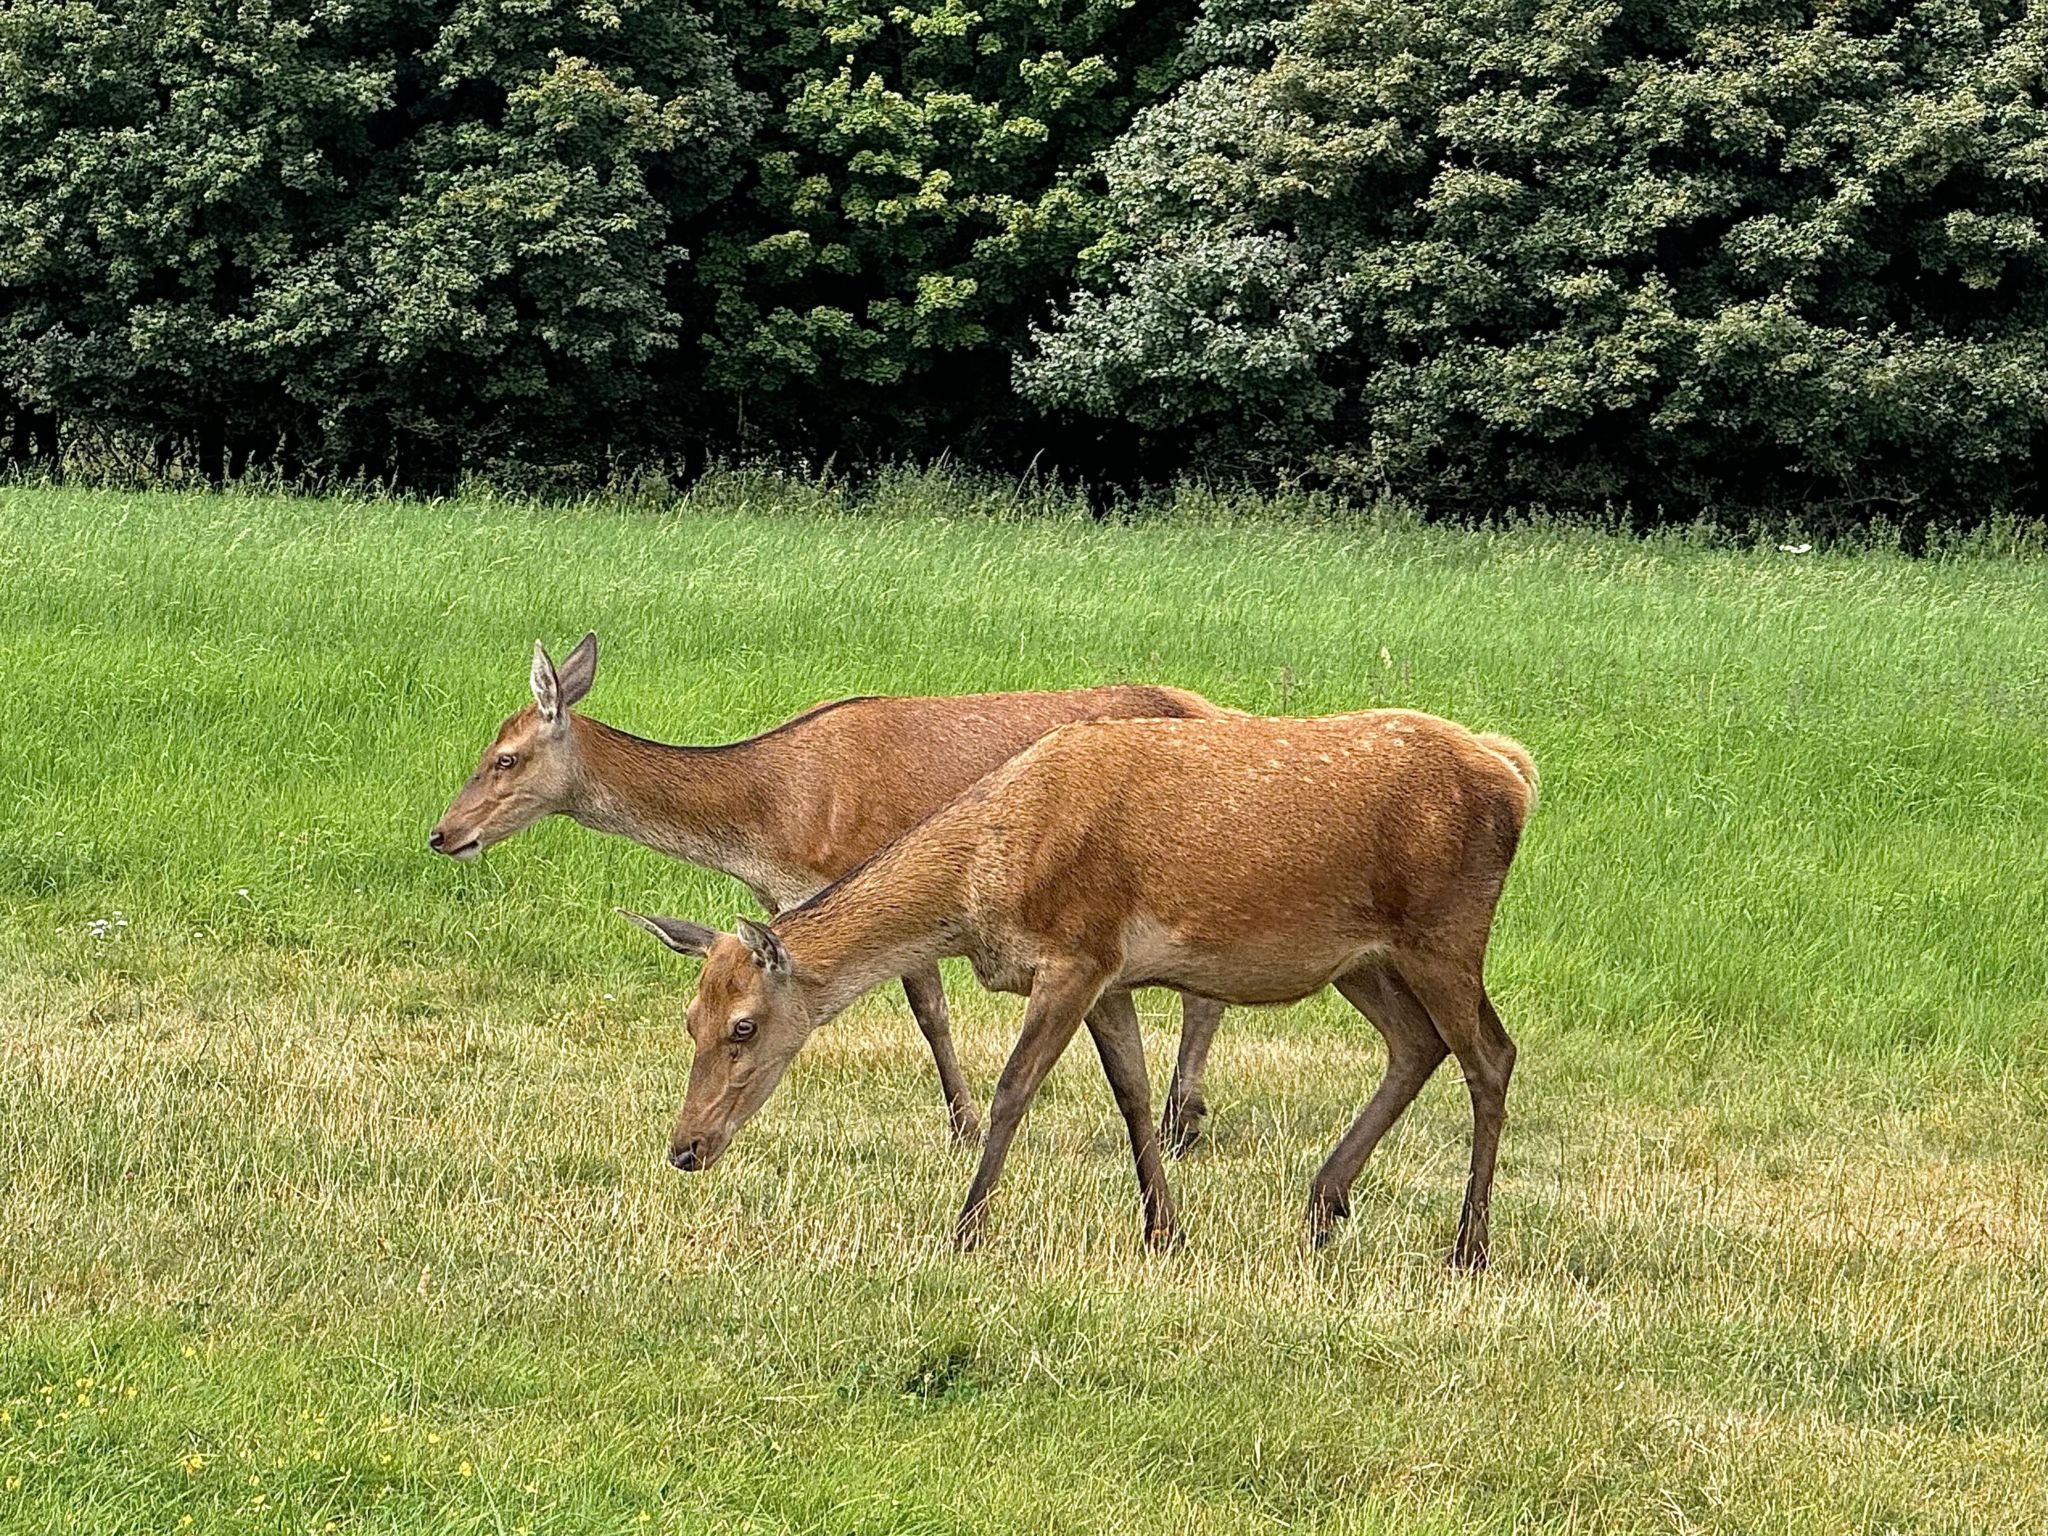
[(1717, 254), (386, 236), (914, 203)]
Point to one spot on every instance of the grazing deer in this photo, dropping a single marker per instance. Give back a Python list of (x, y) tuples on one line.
[(790, 811), (1241, 859)]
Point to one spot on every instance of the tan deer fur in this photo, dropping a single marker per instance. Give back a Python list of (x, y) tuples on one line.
[(1241, 859), (793, 809)]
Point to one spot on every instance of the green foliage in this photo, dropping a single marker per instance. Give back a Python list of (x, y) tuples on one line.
[(914, 203), (1719, 256), (1711, 253), (388, 233), (1212, 334)]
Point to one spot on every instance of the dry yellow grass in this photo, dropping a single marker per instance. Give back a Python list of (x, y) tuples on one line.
[(1755, 1308)]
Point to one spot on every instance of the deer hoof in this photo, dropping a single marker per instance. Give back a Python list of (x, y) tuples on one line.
[(1181, 1126), (1324, 1212), (967, 1232), (1468, 1258), (1165, 1238)]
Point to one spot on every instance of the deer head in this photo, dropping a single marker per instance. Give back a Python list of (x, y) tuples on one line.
[(748, 1020), (530, 770)]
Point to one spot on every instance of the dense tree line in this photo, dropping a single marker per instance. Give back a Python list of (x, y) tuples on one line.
[(1678, 255)]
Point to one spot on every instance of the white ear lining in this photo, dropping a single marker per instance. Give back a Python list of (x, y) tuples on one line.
[(547, 690)]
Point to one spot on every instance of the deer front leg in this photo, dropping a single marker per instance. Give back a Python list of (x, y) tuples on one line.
[(1113, 1021), (927, 996), (1059, 1000)]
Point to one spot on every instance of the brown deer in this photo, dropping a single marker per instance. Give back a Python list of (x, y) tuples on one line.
[(790, 811), (1241, 859)]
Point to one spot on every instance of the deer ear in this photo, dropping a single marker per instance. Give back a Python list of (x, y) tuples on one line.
[(577, 672), (685, 938), (547, 687), (768, 951)]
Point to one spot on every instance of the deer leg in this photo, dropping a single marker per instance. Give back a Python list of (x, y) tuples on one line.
[(927, 996), (1058, 1001), (1414, 1051), (1114, 1023), (1180, 1125), (1459, 1007)]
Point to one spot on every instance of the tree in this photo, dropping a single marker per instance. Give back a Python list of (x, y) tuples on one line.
[(1710, 256), (384, 236), (916, 199)]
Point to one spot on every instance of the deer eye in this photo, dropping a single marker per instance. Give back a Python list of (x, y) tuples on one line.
[(507, 760), (743, 1029)]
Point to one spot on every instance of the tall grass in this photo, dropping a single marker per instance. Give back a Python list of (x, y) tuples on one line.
[(332, 1174)]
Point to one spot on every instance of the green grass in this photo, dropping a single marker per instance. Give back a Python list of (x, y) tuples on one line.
[(332, 1180)]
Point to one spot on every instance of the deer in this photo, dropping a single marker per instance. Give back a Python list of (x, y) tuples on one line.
[(1243, 859), (791, 810)]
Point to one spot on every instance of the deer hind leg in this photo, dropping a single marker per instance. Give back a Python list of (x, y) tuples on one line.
[(927, 996), (1059, 1000), (1180, 1124), (1455, 996), (1113, 1021), (1414, 1051)]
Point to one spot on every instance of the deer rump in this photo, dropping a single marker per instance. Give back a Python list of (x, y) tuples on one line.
[(1246, 860)]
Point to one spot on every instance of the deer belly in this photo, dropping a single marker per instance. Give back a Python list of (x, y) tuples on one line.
[(1271, 965)]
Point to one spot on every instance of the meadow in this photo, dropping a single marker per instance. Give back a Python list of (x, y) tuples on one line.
[(331, 1188)]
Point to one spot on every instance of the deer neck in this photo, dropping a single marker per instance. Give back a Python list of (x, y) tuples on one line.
[(713, 806), (903, 909)]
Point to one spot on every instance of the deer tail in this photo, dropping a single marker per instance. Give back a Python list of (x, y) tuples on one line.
[(1517, 757)]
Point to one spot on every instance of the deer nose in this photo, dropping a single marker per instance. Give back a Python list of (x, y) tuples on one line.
[(436, 838), (683, 1159)]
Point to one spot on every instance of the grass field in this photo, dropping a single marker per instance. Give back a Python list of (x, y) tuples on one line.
[(331, 1193)]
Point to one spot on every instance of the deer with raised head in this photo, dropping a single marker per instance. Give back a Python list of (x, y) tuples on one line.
[(789, 811), (1241, 859)]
